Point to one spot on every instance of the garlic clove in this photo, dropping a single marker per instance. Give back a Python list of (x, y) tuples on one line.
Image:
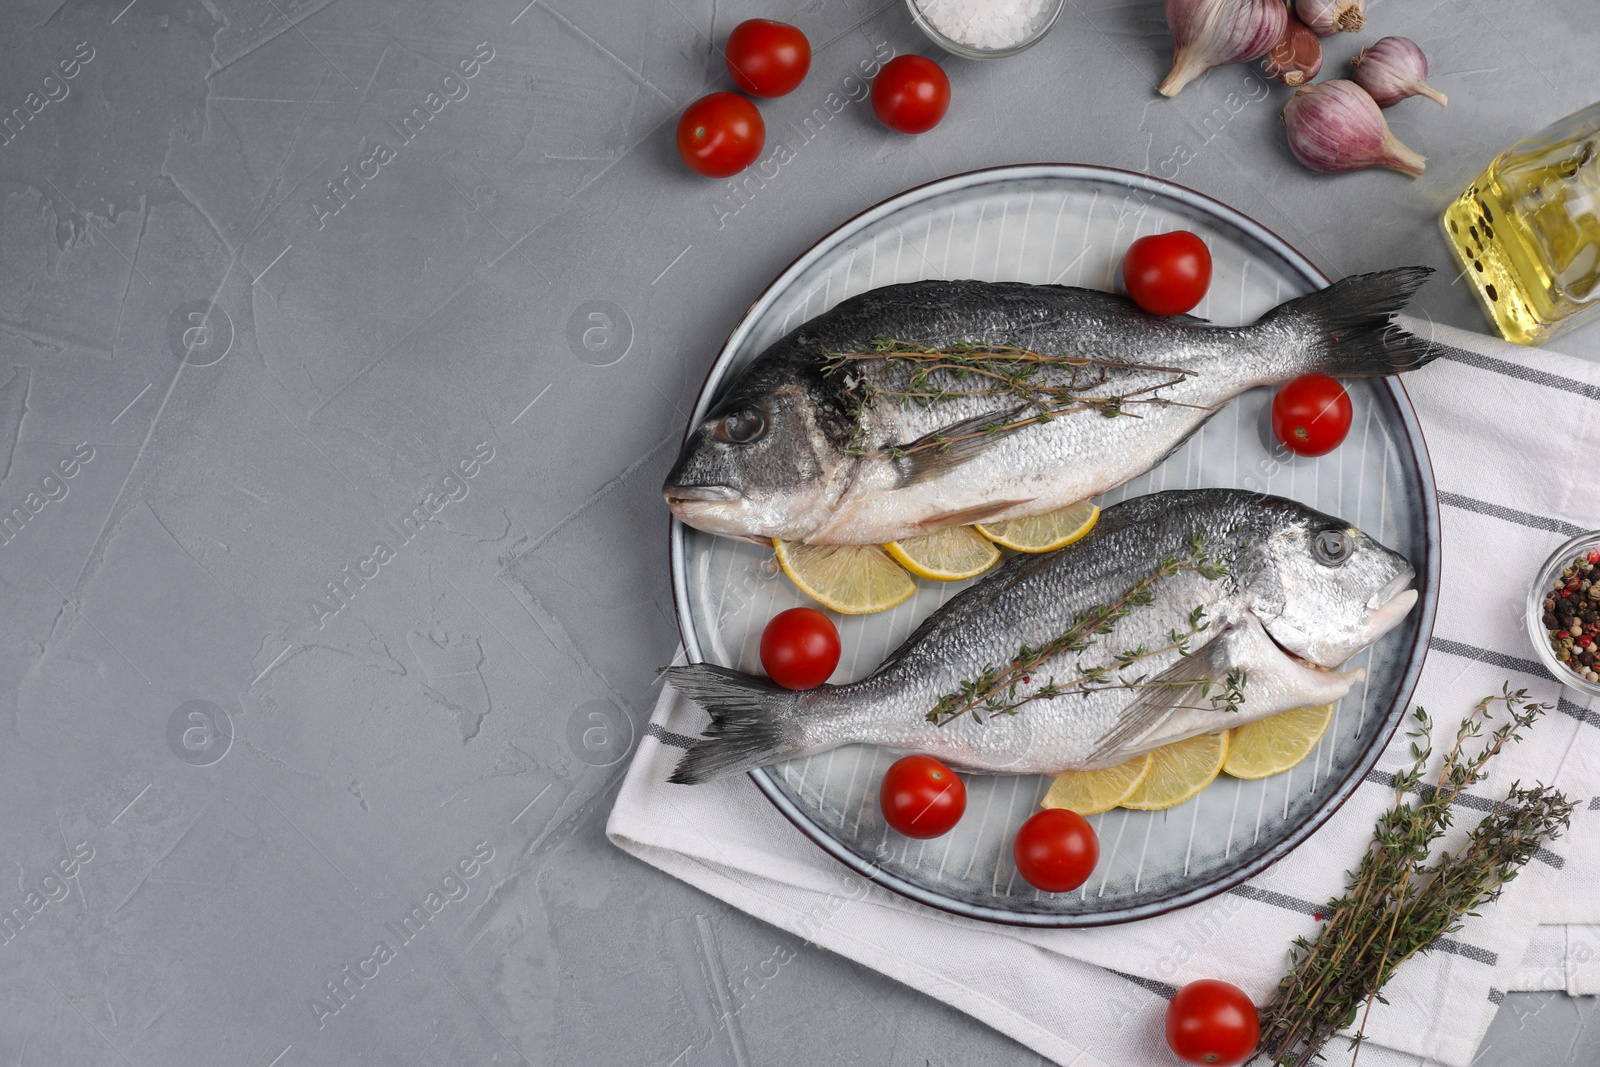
[(1214, 33), (1328, 17), (1394, 69), (1296, 58), (1335, 126)]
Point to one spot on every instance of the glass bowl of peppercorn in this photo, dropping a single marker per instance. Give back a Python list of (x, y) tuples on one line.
[(1564, 614)]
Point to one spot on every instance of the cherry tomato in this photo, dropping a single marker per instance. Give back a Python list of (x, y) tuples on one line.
[(1212, 1022), (1167, 273), (911, 94), (720, 135), (768, 58), (1056, 850), (1311, 415), (800, 648), (921, 797)]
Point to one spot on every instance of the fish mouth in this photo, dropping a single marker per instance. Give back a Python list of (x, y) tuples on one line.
[(1387, 615), (1399, 584), (1386, 608), (699, 494), (705, 507)]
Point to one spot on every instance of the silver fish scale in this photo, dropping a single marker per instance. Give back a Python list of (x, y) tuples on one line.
[(1053, 321), (1047, 465), (1032, 601)]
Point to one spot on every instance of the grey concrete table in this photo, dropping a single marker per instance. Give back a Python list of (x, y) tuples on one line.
[(343, 347)]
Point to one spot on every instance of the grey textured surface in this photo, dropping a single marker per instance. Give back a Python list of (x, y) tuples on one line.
[(272, 738)]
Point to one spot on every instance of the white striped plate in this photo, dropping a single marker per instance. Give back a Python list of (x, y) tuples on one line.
[(1071, 225)]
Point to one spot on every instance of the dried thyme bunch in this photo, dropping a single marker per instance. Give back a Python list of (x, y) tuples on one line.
[(1398, 903)]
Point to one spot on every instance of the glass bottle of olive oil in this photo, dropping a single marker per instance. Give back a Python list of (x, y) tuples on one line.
[(1527, 231)]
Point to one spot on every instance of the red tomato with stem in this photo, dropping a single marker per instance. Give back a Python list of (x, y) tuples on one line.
[(720, 135), (911, 94), (921, 797), (767, 58), (1311, 415), (799, 648), (1167, 273), (1212, 1022), (1056, 850)]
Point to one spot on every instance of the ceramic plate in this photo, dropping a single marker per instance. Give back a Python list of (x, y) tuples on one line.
[(1071, 225)]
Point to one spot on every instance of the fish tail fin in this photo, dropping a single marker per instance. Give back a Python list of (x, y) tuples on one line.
[(753, 722), (1352, 321)]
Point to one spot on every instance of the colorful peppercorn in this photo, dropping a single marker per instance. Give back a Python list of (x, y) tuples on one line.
[(1571, 615)]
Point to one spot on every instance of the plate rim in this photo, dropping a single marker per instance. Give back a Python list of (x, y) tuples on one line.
[(1378, 740)]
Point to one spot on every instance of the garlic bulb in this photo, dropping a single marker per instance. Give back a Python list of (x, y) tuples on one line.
[(1328, 17), (1334, 126), (1296, 58), (1394, 69), (1213, 33)]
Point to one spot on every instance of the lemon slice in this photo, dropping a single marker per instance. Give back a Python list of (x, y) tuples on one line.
[(850, 579), (1273, 745), (1180, 770), (947, 555), (1088, 792), (1042, 533)]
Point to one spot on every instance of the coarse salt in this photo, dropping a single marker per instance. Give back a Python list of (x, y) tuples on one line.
[(986, 24)]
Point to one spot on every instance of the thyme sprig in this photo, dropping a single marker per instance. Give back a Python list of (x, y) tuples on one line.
[(1398, 902), (998, 690), (1009, 372)]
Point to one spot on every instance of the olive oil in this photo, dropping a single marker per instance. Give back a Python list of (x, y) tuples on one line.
[(1527, 231)]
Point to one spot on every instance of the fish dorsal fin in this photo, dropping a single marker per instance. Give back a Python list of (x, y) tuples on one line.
[(1167, 693), (946, 448)]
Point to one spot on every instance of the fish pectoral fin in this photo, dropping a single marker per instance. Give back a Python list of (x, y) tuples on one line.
[(968, 516), (1166, 694), (948, 447)]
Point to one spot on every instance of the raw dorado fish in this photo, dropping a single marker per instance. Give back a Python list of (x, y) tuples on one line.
[(1302, 593), (835, 454)]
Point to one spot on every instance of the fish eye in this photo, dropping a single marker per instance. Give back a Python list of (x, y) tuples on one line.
[(742, 427), (1331, 547)]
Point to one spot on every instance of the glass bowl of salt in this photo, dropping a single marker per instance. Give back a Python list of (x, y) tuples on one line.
[(985, 29)]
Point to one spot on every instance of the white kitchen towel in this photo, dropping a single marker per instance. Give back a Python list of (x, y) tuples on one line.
[(1507, 429)]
